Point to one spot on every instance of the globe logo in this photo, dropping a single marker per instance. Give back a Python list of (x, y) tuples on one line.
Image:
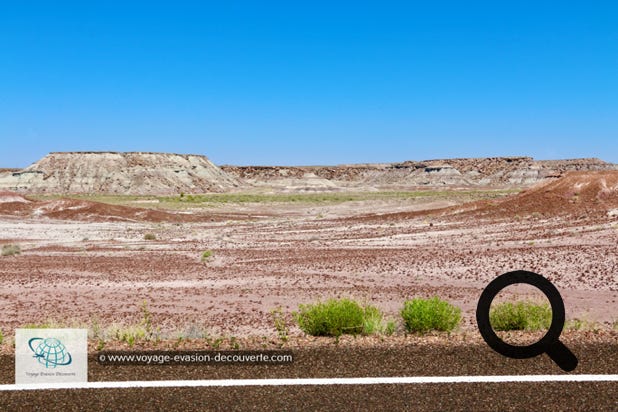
[(50, 352)]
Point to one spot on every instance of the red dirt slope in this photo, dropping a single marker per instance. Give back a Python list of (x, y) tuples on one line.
[(582, 194), (589, 194), (12, 197), (71, 209), (13, 204)]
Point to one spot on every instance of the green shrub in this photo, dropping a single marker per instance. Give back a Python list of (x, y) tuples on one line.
[(390, 328), (129, 334), (374, 322), (581, 324), (150, 236), (206, 255), (522, 315), (10, 250), (280, 324), (422, 315), (337, 317), (575, 324), (214, 343), (1, 337), (133, 333)]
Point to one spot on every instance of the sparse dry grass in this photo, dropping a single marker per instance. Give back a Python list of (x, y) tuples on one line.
[(10, 250), (213, 199)]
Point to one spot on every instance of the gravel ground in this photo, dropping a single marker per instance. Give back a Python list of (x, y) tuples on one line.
[(105, 271), (599, 357), (433, 397)]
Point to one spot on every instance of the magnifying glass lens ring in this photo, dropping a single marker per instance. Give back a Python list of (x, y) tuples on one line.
[(487, 297)]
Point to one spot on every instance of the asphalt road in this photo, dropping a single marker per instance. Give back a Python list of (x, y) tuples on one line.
[(443, 360)]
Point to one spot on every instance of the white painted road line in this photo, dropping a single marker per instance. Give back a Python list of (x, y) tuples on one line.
[(312, 381)]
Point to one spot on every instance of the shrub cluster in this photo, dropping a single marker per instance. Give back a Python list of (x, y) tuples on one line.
[(345, 316), (423, 315), (522, 315), (337, 317)]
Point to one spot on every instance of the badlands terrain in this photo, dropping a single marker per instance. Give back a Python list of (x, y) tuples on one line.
[(102, 234)]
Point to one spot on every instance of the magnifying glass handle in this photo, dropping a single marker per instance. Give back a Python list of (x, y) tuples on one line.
[(562, 356)]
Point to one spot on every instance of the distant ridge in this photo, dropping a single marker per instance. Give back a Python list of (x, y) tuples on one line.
[(151, 173), (519, 171)]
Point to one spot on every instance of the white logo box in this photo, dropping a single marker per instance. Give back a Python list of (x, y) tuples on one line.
[(51, 355)]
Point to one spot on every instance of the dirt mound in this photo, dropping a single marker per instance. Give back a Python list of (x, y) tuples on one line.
[(577, 193), (83, 210), (14, 204), (134, 173), (12, 197), (590, 194)]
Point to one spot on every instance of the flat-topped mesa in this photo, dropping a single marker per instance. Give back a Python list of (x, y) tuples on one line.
[(134, 173)]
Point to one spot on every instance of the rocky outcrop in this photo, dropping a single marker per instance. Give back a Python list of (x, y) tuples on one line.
[(482, 172), (140, 173), (134, 173)]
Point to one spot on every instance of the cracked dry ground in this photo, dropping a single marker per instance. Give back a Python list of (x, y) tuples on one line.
[(74, 272)]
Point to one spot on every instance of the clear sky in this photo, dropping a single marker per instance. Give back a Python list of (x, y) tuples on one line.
[(313, 83)]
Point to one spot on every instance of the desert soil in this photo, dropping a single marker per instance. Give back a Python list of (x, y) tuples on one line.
[(87, 264), (76, 270)]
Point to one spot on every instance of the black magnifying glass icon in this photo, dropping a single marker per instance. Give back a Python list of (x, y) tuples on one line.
[(549, 343)]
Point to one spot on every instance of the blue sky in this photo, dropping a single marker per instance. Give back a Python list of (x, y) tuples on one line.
[(319, 83)]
